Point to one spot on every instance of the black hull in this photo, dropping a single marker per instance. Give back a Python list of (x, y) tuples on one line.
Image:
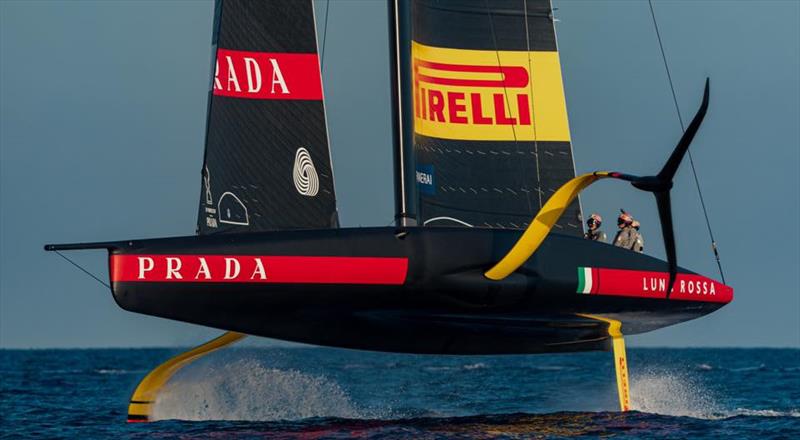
[(444, 304)]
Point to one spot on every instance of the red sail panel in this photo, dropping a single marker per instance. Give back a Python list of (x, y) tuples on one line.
[(265, 75)]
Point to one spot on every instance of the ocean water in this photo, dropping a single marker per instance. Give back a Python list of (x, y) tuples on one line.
[(328, 393)]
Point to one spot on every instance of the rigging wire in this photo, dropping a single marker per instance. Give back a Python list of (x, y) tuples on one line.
[(508, 108), (82, 269), (324, 36), (683, 128), (534, 120)]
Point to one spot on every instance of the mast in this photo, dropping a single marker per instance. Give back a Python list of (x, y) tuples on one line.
[(401, 111)]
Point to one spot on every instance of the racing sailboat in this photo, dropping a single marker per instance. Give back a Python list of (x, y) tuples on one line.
[(487, 254)]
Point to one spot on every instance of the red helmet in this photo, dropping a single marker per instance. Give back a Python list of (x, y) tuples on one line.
[(624, 218), (594, 220)]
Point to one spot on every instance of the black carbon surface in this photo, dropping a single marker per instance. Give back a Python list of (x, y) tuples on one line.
[(484, 24), (494, 184), (251, 143)]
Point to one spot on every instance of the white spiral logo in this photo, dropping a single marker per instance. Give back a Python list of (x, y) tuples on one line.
[(305, 175)]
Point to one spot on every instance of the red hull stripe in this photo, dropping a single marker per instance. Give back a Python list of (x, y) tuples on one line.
[(262, 75), (644, 284), (258, 269)]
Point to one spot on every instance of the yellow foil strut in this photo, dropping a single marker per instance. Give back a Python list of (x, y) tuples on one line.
[(620, 360), (542, 224), (144, 398)]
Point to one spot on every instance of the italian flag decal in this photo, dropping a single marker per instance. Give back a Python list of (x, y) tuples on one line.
[(585, 280), (646, 284)]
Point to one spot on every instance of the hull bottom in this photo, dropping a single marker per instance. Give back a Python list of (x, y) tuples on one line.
[(418, 292)]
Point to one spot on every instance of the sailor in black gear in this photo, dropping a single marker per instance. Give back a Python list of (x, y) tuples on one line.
[(594, 232)]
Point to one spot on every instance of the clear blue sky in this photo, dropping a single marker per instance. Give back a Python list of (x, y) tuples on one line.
[(102, 112)]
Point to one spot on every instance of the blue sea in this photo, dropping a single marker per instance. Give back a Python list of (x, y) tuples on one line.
[(312, 393)]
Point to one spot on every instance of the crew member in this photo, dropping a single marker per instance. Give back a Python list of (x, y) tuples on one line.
[(626, 237), (594, 233), (639, 247)]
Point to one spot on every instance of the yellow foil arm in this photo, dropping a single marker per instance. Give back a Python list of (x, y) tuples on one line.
[(144, 398), (542, 224), (620, 360)]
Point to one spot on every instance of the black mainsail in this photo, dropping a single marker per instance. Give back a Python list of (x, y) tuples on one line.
[(267, 161), (491, 139)]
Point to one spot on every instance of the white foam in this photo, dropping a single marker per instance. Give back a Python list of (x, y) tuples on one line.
[(758, 368), (763, 413), (551, 368), (673, 394), (475, 366), (247, 390), (679, 394), (118, 371)]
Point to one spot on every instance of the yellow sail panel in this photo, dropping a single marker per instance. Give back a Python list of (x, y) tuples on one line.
[(488, 95)]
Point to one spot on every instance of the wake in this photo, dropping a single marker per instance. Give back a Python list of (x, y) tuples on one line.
[(677, 394), (247, 390)]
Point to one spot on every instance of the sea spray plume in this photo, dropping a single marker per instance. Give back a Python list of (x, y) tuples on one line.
[(248, 390), (678, 394), (673, 393)]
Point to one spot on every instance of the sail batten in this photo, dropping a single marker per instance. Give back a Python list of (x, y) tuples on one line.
[(267, 160), (491, 133)]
